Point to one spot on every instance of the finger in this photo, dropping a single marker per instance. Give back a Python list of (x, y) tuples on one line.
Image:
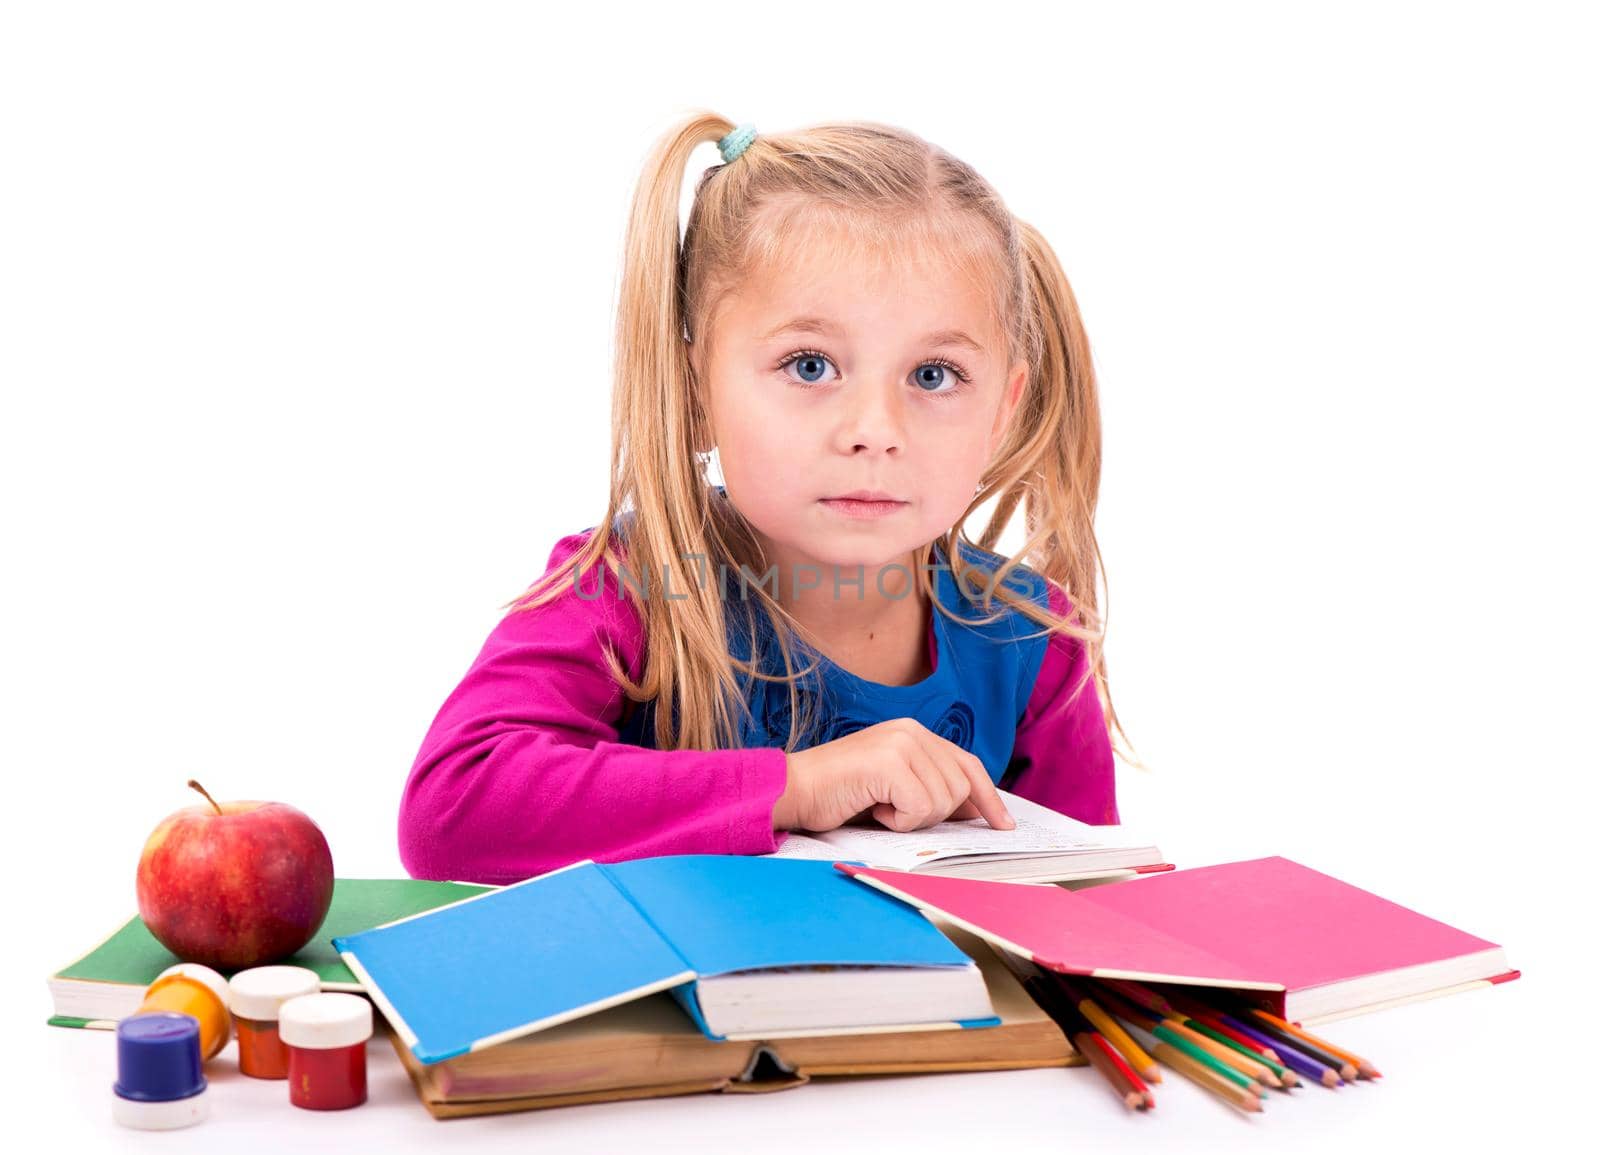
[(908, 795), (975, 788), (894, 816), (921, 755), (964, 812), (957, 780), (984, 796), (940, 803), (944, 794)]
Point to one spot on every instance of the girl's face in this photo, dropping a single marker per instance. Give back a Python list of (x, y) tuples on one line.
[(829, 376)]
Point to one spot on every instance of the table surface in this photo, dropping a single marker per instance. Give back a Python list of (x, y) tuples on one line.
[(1432, 1054)]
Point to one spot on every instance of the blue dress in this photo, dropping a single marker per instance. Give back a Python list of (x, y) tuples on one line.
[(975, 697)]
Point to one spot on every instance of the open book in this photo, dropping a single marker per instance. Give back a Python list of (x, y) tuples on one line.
[(1271, 932), (747, 946), (1044, 847), (647, 1048)]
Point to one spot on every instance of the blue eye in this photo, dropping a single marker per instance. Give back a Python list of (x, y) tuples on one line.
[(807, 363), (929, 375)]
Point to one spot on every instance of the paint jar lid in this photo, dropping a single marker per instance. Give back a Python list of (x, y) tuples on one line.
[(259, 992), (323, 1021), (201, 974), (158, 1057)]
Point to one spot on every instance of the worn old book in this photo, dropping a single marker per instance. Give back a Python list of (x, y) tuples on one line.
[(650, 1048)]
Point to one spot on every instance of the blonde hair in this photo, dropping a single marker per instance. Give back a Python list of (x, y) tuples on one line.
[(884, 188)]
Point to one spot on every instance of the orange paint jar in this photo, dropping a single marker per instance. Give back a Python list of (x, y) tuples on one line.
[(192, 989), (254, 997)]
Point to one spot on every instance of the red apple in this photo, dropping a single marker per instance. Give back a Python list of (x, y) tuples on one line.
[(235, 885)]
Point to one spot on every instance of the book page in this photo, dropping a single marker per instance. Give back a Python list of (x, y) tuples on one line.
[(1039, 830), (804, 846)]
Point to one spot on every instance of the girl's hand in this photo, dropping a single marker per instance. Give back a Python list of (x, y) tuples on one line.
[(907, 776)]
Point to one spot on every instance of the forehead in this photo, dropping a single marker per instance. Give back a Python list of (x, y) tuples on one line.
[(865, 274)]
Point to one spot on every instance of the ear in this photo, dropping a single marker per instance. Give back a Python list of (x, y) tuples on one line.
[(1009, 400)]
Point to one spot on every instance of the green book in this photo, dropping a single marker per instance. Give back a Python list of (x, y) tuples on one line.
[(109, 982)]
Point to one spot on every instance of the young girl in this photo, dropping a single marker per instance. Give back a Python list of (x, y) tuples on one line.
[(873, 346)]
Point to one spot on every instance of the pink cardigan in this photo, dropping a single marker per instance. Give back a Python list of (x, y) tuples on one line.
[(522, 771)]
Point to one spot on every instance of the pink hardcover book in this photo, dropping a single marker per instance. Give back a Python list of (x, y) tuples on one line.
[(1292, 940)]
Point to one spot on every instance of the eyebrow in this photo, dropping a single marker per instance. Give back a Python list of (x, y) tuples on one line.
[(823, 327)]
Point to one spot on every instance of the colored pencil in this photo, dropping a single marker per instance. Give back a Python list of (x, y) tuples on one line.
[(1201, 1055), (1215, 1022), (1195, 1011), (1121, 1064), (1203, 1077), (1112, 1030), (1249, 1065), (1259, 1060), (1126, 1011), (1078, 1030), (1158, 1029), (1250, 1031), (1365, 1069), (1208, 1078), (1284, 1074), (1131, 1052), (1345, 1069), (1291, 1056), (1090, 1047), (1140, 995)]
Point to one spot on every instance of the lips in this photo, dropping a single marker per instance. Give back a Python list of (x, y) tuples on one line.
[(854, 506), (864, 495)]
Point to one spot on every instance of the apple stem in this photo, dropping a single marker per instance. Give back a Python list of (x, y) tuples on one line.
[(202, 790)]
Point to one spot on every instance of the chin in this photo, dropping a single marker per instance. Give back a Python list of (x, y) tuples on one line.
[(866, 546)]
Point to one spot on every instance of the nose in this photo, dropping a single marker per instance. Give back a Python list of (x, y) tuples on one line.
[(873, 418)]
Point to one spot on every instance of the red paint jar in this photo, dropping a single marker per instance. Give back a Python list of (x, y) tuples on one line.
[(254, 997), (326, 1037)]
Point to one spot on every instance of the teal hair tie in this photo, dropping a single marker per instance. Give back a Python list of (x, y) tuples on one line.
[(733, 145)]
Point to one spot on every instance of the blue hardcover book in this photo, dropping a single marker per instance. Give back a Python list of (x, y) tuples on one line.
[(750, 947)]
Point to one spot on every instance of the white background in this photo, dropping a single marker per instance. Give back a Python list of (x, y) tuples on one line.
[(304, 336)]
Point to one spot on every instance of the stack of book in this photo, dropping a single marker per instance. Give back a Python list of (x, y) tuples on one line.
[(685, 973), (649, 1048), (691, 973)]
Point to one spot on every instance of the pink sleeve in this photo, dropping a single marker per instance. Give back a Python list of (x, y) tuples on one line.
[(522, 772), (1062, 755)]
